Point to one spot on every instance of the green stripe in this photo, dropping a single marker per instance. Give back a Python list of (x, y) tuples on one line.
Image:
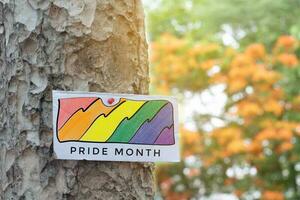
[(128, 128)]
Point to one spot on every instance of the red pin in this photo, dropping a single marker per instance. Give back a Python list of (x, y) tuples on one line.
[(111, 100)]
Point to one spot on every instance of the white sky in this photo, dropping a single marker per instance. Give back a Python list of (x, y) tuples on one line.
[(210, 101)]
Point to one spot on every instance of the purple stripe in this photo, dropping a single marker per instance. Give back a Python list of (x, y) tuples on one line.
[(149, 131), (166, 136)]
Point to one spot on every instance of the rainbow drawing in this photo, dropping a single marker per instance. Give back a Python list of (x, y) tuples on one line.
[(98, 120)]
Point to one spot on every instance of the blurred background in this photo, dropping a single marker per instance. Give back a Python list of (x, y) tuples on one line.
[(234, 66)]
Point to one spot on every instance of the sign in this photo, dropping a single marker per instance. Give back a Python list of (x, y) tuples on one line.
[(115, 127)]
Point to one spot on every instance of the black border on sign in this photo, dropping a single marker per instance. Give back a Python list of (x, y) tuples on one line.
[(97, 98)]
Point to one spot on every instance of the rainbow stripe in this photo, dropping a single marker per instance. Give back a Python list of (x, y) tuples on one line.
[(128, 121)]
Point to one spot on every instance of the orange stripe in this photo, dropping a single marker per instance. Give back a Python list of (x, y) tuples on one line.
[(76, 126)]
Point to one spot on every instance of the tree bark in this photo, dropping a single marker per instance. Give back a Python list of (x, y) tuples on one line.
[(87, 45)]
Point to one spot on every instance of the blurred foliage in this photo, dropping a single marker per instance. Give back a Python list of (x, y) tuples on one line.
[(258, 148), (255, 154), (261, 21)]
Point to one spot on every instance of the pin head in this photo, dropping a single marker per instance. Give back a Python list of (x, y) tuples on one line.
[(110, 100)]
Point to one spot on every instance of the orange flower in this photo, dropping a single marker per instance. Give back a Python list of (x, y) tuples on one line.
[(191, 142), (286, 146), (166, 184), (272, 195), (236, 84), (255, 147), (229, 181), (285, 125), (236, 146), (286, 41), (171, 43), (266, 134), (163, 89), (190, 137), (262, 74), (262, 87), (241, 60), (226, 135), (238, 193), (192, 172), (277, 93), (285, 134), (289, 60), (272, 133), (202, 49), (273, 106), (208, 64), (230, 140), (218, 78), (178, 196), (297, 129), (249, 109), (256, 51), (242, 72), (210, 48)]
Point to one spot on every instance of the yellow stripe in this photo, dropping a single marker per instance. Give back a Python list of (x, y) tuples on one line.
[(104, 127)]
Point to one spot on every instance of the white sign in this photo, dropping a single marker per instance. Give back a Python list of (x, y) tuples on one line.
[(115, 127)]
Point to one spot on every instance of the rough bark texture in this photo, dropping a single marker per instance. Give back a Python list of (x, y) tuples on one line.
[(87, 45)]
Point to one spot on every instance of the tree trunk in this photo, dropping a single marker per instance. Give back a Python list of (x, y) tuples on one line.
[(87, 45)]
